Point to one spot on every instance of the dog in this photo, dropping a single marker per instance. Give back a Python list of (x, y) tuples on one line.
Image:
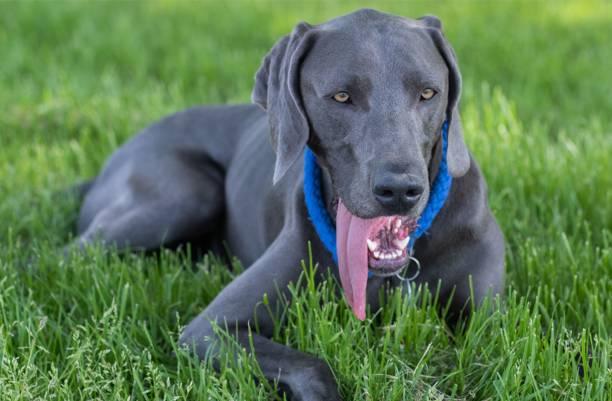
[(368, 94)]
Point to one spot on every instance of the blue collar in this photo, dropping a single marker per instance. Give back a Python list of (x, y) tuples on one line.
[(323, 223)]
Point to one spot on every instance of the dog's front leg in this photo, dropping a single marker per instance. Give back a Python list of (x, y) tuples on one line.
[(302, 376)]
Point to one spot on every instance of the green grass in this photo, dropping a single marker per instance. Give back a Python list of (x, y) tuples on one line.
[(78, 79)]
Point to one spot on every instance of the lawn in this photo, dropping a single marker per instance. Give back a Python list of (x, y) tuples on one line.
[(77, 79)]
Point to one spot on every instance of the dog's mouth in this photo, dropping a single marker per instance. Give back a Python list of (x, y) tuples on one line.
[(388, 245), (376, 245)]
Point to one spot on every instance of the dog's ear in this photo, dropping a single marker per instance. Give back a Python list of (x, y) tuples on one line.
[(277, 90), (457, 156), (431, 21)]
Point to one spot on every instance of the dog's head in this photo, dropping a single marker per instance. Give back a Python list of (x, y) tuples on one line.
[(368, 93)]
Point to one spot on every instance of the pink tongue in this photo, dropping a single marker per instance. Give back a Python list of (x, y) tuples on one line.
[(351, 235)]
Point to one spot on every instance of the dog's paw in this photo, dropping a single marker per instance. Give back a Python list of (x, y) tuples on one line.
[(313, 383)]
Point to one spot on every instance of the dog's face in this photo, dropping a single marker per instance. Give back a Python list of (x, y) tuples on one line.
[(369, 93), (375, 92)]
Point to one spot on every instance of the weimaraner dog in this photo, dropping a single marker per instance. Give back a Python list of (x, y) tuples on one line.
[(368, 94)]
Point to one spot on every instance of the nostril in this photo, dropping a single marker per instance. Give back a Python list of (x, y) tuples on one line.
[(414, 192), (386, 193)]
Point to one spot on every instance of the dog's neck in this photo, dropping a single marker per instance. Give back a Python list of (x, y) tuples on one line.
[(330, 197)]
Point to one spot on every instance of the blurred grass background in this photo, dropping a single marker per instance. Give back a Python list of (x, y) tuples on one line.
[(79, 78)]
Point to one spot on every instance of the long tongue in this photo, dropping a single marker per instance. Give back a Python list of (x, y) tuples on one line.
[(351, 235)]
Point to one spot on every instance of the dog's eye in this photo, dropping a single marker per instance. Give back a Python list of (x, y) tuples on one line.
[(427, 94), (341, 97)]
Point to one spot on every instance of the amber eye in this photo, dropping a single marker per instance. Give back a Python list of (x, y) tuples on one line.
[(341, 97), (427, 94)]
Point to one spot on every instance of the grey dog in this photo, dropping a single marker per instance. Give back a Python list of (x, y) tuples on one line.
[(368, 93)]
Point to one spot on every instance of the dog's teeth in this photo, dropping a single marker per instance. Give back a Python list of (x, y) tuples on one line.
[(372, 245), (377, 254), (401, 244)]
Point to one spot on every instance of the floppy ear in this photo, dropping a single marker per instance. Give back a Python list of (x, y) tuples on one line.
[(457, 156), (277, 90)]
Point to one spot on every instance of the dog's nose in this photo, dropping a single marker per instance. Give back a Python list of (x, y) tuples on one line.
[(399, 192)]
